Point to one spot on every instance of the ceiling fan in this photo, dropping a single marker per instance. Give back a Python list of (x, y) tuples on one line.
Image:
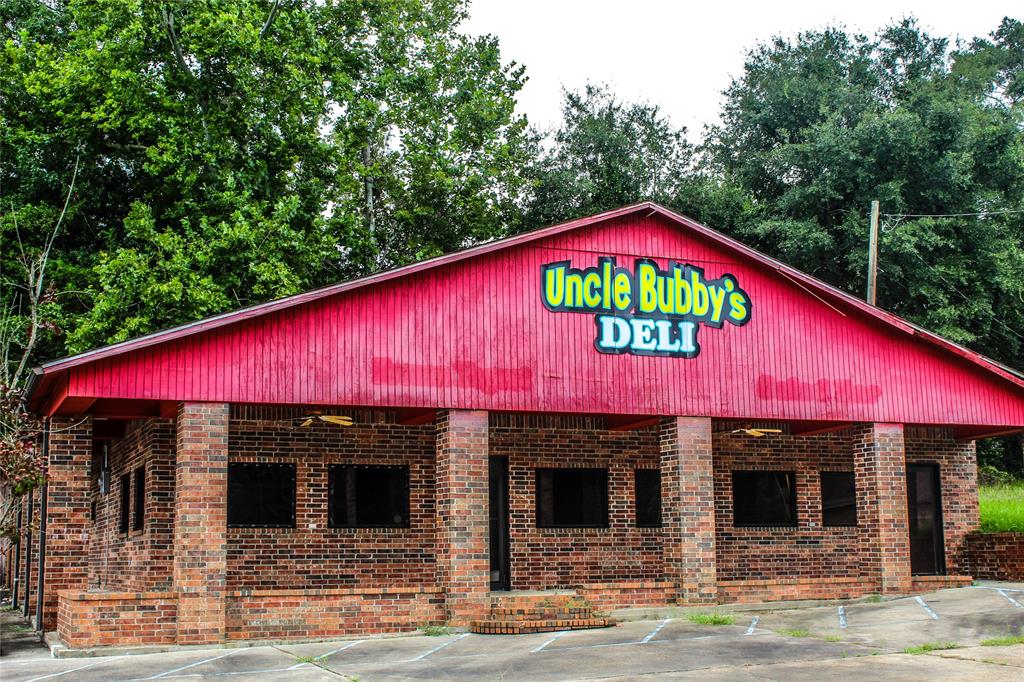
[(338, 419), (757, 433)]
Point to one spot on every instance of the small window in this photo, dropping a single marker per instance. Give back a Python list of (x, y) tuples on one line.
[(838, 498), (261, 495), (92, 511), (647, 484), (764, 498), (572, 498), (126, 499), (362, 496), (139, 517)]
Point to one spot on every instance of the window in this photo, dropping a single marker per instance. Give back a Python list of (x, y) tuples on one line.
[(363, 496), (261, 495), (647, 485), (139, 518), (572, 498), (126, 498), (838, 498), (763, 498)]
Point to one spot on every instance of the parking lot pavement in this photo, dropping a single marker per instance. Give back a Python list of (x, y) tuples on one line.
[(819, 642)]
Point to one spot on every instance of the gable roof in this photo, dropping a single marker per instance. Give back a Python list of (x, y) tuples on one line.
[(43, 376)]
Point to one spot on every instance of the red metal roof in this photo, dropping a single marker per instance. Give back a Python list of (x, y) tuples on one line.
[(404, 334)]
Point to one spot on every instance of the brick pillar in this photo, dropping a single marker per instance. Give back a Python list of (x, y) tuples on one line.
[(463, 558), (200, 521), (688, 508), (68, 495), (881, 477)]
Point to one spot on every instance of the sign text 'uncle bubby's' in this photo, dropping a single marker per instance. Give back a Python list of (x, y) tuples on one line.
[(648, 311)]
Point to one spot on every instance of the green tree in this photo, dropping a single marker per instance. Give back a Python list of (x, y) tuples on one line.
[(234, 151), (817, 127), (606, 153)]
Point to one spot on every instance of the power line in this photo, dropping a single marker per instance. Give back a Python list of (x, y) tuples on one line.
[(952, 215)]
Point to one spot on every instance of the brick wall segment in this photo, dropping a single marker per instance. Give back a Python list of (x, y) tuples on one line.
[(200, 522), (463, 558), (688, 507)]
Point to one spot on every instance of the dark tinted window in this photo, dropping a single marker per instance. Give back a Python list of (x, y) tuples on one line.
[(763, 498), (838, 498), (648, 497), (261, 495), (126, 500), (139, 518), (368, 496), (572, 498)]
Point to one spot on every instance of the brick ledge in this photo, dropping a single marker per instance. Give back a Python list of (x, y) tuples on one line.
[(334, 592)]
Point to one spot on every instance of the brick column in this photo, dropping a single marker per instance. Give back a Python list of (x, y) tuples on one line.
[(463, 558), (68, 495), (688, 508), (200, 521), (881, 476)]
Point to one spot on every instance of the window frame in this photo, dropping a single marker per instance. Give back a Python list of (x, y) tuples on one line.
[(647, 471), (290, 467), (139, 498), (124, 512), (792, 500), (342, 469), (821, 490), (540, 471)]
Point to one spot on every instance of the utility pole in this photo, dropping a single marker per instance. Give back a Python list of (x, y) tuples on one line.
[(873, 256)]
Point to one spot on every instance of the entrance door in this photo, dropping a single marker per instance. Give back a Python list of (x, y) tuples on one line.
[(501, 578), (924, 507)]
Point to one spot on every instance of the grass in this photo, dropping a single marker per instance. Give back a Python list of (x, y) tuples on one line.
[(711, 618), (832, 638), (1003, 641), (874, 599), (795, 633), (1002, 507), (931, 646), (435, 630)]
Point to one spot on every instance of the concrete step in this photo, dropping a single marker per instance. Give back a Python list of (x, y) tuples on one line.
[(505, 627)]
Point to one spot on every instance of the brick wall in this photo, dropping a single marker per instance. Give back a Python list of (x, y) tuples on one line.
[(312, 555), (810, 550), (995, 556), (68, 525), (544, 558), (139, 560), (92, 619), (310, 614)]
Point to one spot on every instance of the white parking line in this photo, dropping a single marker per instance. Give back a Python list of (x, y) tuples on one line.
[(192, 665), (553, 638), (930, 610), (753, 624), (842, 616), (438, 648), (73, 670), (1011, 599), (339, 649), (655, 631)]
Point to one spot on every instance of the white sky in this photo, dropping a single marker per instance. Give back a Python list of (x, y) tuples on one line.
[(681, 55)]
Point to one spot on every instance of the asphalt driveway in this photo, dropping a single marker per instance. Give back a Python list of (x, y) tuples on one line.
[(818, 642)]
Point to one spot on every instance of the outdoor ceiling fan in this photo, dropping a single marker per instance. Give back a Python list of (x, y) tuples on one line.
[(757, 433), (338, 419)]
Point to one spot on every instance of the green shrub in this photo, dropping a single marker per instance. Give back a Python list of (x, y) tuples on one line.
[(1001, 507), (931, 646), (1003, 641)]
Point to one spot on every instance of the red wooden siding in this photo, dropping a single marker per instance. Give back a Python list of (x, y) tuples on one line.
[(474, 334)]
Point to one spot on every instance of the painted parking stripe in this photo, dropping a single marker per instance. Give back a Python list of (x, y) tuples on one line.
[(753, 624), (438, 648), (842, 616), (930, 610), (73, 670), (553, 638), (339, 650), (1011, 599), (655, 631), (192, 665)]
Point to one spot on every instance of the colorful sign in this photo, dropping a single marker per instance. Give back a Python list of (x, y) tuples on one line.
[(648, 311)]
